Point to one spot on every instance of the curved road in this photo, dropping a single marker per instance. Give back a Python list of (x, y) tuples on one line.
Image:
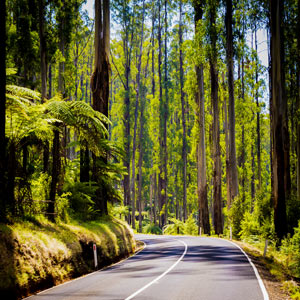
[(170, 268)]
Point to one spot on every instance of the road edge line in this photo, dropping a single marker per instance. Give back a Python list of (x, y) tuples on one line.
[(163, 274), (88, 274), (260, 281)]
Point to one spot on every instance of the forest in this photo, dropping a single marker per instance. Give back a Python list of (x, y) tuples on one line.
[(159, 112)]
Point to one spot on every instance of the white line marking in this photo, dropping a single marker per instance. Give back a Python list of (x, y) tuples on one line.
[(87, 275), (162, 275), (261, 284)]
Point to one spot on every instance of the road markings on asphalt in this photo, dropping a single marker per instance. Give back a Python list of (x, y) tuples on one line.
[(163, 274), (87, 275), (260, 282)]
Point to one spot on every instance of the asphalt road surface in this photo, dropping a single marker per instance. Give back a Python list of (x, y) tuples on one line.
[(185, 268)]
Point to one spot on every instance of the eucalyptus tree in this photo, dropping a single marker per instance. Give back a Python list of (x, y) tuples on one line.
[(232, 168), (203, 212), (278, 112), (213, 61), (2, 110), (183, 109), (298, 104), (100, 86)]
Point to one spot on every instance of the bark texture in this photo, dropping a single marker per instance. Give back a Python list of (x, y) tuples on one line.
[(232, 164), (203, 212), (278, 113), (100, 83), (2, 110)]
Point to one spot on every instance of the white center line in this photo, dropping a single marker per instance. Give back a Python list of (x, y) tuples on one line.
[(163, 274)]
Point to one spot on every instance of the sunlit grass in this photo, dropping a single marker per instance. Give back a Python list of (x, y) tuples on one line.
[(37, 252)]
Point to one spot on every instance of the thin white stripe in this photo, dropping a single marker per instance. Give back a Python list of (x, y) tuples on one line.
[(261, 284), (86, 275), (162, 275)]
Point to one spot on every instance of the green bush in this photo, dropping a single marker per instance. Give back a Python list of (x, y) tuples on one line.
[(152, 228), (190, 226), (291, 247), (80, 198), (175, 227), (249, 226)]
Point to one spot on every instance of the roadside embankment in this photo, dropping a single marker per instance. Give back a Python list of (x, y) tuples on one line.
[(38, 254)]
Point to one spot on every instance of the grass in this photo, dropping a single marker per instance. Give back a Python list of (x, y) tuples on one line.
[(36, 253), (276, 261)]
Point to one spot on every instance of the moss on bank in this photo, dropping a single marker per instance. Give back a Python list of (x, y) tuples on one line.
[(37, 254)]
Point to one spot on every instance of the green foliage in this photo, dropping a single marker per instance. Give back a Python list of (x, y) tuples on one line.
[(119, 211), (235, 215), (175, 227), (190, 227), (249, 226), (80, 195), (152, 229), (178, 227), (291, 248)]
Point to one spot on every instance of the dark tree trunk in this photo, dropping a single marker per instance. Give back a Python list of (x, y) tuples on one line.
[(155, 200), (227, 147), (243, 154), (165, 119), (50, 81), (141, 163), (182, 96), (278, 112), (138, 94), (160, 176), (126, 162), (84, 165), (55, 175), (11, 177), (201, 153), (233, 174), (257, 121), (3, 200), (43, 48), (100, 85), (217, 176), (298, 107)]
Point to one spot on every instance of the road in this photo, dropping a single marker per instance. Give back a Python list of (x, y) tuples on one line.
[(172, 268)]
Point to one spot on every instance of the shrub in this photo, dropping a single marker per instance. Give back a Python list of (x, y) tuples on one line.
[(249, 226), (152, 228), (190, 226), (176, 227)]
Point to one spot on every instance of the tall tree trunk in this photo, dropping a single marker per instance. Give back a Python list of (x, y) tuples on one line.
[(278, 112), (243, 154), (233, 174), (227, 146), (61, 74), (141, 161), (298, 108), (182, 96), (217, 176), (165, 119), (100, 83), (54, 174), (43, 64), (127, 158), (201, 153), (11, 178), (43, 48), (138, 83), (127, 194), (3, 199), (155, 200), (160, 176), (257, 120)]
